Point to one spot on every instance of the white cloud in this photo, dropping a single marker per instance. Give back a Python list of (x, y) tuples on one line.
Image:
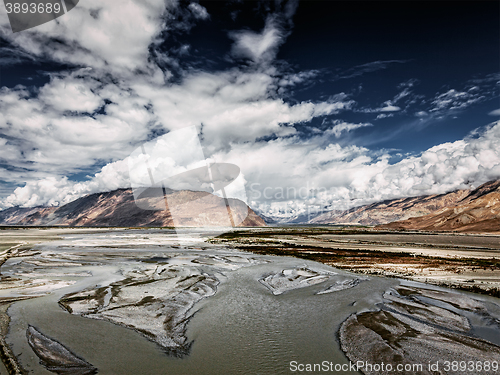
[(296, 78), (199, 11), (233, 106), (341, 127), (446, 167), (495, 112), (71, 94), (43, 139), (55, 191), (454, 100), (384, 115), (403, 94), (303, 175), (259, 47), (389, 108), (84, 119), (110, 35)]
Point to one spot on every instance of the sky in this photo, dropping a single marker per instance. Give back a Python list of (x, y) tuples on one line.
[(323, 105)]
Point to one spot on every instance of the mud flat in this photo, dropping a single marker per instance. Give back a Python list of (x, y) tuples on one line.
[(157, 299), (467, 262), (13, 245), (342, 285), (8, 358), (151, 292), (302, 277), (27, 237), (55, 357), (410, 330), (159, 306), (295, 278), (122, 300)]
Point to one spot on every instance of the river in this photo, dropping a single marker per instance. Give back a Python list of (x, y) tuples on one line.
[(242, 329)]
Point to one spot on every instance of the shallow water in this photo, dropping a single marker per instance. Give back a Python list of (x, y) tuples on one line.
[(242, 329)]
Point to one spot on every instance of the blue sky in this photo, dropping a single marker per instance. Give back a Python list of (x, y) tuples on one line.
[(350, 101)]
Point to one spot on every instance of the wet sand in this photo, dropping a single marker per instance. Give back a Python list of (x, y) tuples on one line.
[(156, 286), (467, 262), (153, 285), (157, 296), (410, 330)]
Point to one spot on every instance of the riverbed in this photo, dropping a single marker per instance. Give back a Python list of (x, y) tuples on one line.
[(106, 296)]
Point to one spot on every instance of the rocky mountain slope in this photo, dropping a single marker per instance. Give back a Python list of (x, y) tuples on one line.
[(479, 211), (461, 210), (392, 210), (118, 208)]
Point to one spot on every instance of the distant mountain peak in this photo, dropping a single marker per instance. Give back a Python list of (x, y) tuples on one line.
[(117, 208), (407, 212), (479, 211)]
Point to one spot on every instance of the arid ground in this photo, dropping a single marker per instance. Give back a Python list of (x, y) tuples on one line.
[(463, 261)]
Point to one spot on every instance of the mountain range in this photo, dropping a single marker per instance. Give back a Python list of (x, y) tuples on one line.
[(479, 211), (118, 208), (392, 210), (466, 210)]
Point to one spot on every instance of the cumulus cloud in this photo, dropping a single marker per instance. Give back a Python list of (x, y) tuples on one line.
[(291, 176), (233, 107), (342, 177), (88, 121), (71, 94), (56, 191), (448, 166), (85, 118), (111, 35), (58, 132)]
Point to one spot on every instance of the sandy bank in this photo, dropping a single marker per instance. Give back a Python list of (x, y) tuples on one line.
[(409, 330), (467, 262)]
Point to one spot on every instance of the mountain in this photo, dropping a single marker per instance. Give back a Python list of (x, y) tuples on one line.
[(468, 210), (287, 218), (119, 209), (479, 211), (392, 210), (14, 215)]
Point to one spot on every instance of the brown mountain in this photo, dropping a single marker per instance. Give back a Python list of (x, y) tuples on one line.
[(118, 209), (479, 211), (392, 210)]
